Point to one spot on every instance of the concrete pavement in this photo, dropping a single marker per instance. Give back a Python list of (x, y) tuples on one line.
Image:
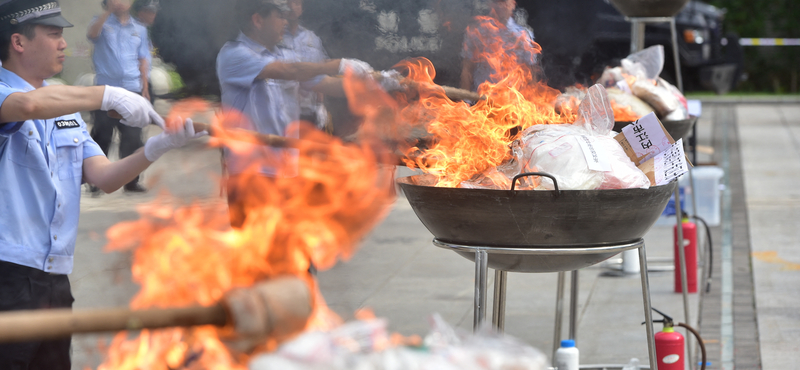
[(403, 277)]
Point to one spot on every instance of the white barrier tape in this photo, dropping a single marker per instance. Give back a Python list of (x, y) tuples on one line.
[(768, 42)]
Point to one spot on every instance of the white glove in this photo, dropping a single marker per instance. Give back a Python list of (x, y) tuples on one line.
[(170, 139), (390, 80), (135, 110), (358, 67)]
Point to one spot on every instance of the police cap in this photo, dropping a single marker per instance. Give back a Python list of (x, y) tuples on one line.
[(18, 12)]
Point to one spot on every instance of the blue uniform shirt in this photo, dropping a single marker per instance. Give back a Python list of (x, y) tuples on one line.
[(307, 47), (149, 56), (513, 33), (117, 51), (41, 168), (271, 105)]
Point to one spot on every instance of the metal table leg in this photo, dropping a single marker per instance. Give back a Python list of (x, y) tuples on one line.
[(573, 307), (481, 272), (559, 312), (499, 306), (648, 317)]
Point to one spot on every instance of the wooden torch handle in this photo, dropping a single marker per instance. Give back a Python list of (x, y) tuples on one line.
[(20, 326), (275, 307)]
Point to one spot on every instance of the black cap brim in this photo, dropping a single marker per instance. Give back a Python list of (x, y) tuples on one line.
[(55, 20)]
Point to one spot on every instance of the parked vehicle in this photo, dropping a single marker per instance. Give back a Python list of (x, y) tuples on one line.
[(580, 37)]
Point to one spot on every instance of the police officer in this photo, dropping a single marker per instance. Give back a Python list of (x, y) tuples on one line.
[(45, 155), (121, 58), (307, 47), (144, 12), (497, 36), (261, 79)]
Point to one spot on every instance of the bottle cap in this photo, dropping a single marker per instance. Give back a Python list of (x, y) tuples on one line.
[(567, 343)]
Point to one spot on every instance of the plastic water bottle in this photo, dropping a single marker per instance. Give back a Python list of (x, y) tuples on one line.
[(632, 365), (566, 356)]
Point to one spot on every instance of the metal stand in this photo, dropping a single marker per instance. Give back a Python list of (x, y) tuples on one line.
[(637, 40), (482, 255), (637, 44)]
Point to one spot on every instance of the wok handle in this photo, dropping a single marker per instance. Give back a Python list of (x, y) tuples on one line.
[(555, 183)]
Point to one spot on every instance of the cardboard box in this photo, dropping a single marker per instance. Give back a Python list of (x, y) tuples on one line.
[(646, 166)]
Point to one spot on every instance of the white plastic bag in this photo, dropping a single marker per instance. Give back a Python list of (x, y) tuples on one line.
[(582, 156), (366, 345), (645, 64)]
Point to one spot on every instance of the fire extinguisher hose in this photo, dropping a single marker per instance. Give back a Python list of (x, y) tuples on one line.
[(699, 341)]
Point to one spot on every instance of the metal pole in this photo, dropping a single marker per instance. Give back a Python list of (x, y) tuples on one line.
[(682, 263), (675, 52), (648, 317), (559, 312), (573, 307), (499, 306), (637, 35), (481, 270)]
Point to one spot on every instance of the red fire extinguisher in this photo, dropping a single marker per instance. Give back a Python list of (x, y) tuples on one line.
[(690, 252), (669, 349), (670, 345)]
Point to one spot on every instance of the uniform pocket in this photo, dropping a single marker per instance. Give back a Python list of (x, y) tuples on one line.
[(69, 153), (25, 149)]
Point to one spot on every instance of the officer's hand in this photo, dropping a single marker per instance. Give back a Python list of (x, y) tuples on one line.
[(135, 110), (174, 136), (359, 68)]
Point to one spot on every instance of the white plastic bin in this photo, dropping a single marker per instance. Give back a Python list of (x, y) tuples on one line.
[(707, 188)]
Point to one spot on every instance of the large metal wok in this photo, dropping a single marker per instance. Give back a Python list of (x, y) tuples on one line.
[(530, 219), (677, 129)]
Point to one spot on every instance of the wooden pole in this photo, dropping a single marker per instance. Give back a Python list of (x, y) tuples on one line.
[(20, 326), (275, 307)]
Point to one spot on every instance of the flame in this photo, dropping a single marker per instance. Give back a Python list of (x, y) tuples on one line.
[(623, 113), (467, 140), (190, 255)]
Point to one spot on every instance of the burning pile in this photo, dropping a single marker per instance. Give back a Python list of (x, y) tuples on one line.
[(486, 144), (190, 255)]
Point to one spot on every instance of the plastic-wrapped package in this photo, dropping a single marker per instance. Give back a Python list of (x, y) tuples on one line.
[(498, 178), (682, 112), (366, 345), (646, 64), (661, 99), (561, 150), (637, 106), (611, 76), (582, 156), (595, 114)]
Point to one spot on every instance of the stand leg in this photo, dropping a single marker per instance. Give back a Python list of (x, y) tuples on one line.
[(648, 317), (499, 306), (559, 312), (481, 271), (573, 307), (678, 77), (637, 35)]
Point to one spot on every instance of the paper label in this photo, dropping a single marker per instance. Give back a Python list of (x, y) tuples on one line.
[(594, 159), (646, 137), (694, 107), (623, 85), (670, 163)]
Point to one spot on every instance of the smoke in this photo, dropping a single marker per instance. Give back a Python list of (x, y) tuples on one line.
[(189, 34)]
